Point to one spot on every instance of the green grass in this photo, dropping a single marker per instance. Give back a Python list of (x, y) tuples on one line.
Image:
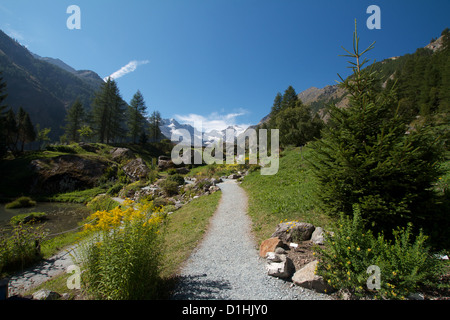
[(82, 196), (287, 195), (22, 202), (182, 234)]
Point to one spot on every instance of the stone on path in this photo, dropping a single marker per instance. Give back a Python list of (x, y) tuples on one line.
[(269, 245), (307, 278)]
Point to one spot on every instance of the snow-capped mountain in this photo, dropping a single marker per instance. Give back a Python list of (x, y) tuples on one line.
[(171, 127)]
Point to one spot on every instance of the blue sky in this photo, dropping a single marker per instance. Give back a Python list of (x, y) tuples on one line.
[(221, 61)]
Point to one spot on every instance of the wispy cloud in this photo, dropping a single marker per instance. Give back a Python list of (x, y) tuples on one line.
[(130, 67), (13, 33), (214, 121)]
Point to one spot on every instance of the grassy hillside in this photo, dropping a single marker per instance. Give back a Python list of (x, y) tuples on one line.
[(286, 195), (17, 175)]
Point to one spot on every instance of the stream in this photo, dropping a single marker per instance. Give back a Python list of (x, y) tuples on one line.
[(61, 216)]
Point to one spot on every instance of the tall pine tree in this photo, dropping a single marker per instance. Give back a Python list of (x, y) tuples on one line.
[(108, 113), (136, 116), (155, 122), (75, 120)]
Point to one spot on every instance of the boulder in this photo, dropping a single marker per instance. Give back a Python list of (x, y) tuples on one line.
[(318, 236), (119, 154), (136, 169), (183, 170), (294, 231), (66, 173), (165, 163), (234, 176), (281, 266), (89, 147), (45, 294), (273, 257), (306, 278), (269, 245)]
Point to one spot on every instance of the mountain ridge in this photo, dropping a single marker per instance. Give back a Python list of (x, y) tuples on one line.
[(43, 87)]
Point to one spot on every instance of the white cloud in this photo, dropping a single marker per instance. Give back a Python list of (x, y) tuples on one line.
[(130, 67), (214, 121), (13, 33)]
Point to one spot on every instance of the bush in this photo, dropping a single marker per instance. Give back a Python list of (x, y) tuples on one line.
[(115, 189), (21, 249), (101, 203), (28, 218), (122, 260), (179, 179), (22, 202), (405, 263), (169, 187)]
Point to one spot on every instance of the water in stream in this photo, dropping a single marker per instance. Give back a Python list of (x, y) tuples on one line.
[(61, 216)]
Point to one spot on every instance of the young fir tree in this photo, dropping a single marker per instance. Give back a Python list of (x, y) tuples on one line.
[(136, 116), (368, 156), (75, 119), (108, 113)]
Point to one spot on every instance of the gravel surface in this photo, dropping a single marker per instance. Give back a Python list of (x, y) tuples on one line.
[(226, 265), (41, 273)]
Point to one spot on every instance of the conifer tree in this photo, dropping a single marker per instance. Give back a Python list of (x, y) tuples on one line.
[(155, 122), (370, 157), (75, 119), (108, 113), (136, 116), (289, 98)]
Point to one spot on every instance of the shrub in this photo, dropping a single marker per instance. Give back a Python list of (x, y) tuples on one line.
[(28, 218), (102, 202), (177, 178), (169, 187), (21, 249), (22, 202), (122, 259), (171, 171), (405, 263), (115, 189)]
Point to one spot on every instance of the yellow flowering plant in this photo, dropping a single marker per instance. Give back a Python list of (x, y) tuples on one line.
[(121, 258), (405, 263)]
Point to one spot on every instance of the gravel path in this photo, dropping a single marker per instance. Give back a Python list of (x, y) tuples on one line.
[(226, 265), (41, 273)]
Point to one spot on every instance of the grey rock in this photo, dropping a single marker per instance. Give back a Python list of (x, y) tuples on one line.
[(136, 169), (307, 278), (119, 154), (273, 257), (282, 269), (294, 231), (318, 236), (45, 294)]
